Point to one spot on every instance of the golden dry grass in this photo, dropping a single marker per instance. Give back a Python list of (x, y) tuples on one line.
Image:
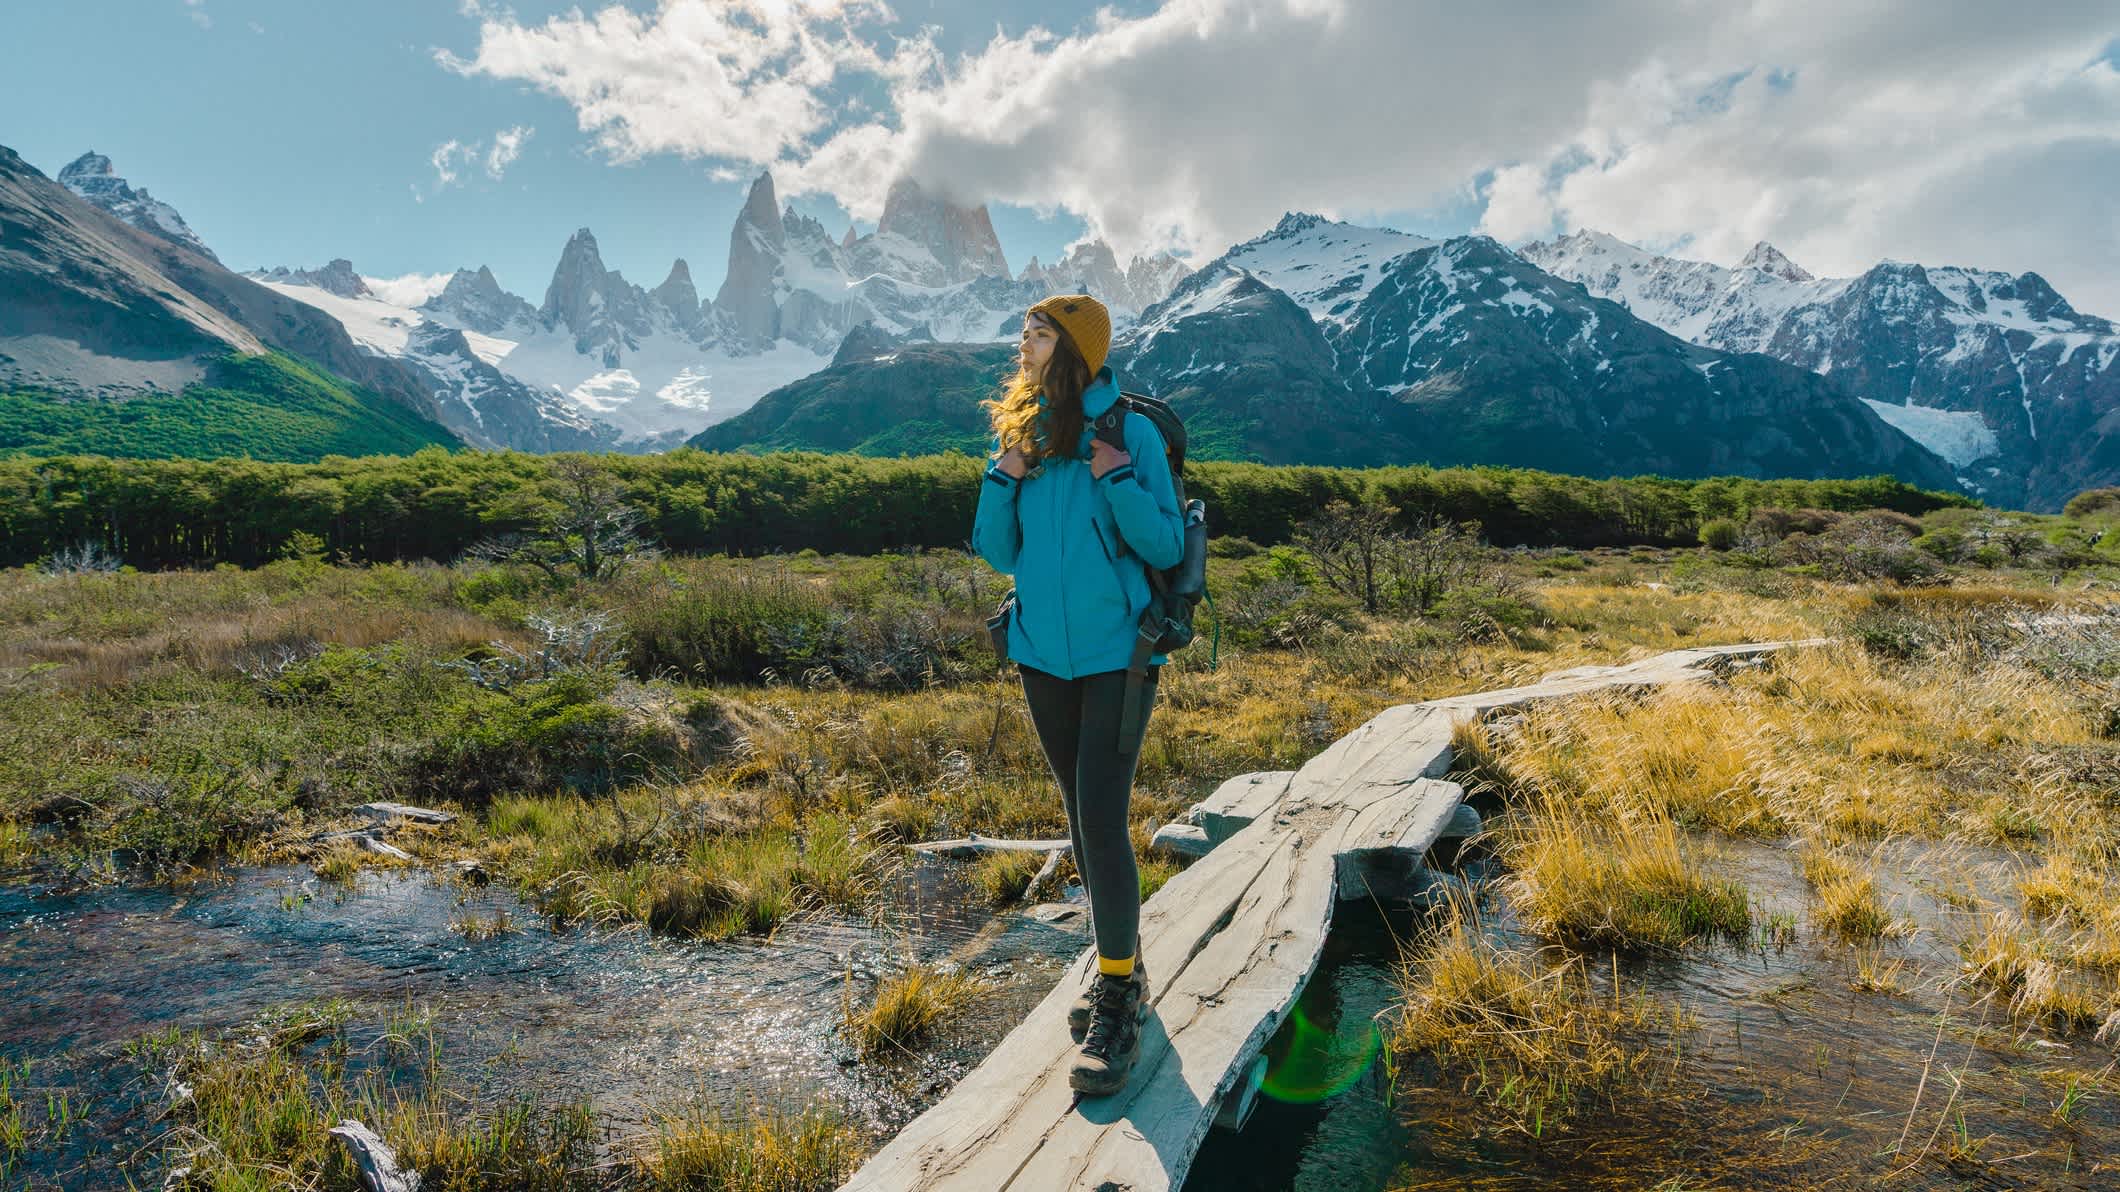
[(1633, 884), (1847, 904), (907, 1008), (813, 1151), (1528, 1031)]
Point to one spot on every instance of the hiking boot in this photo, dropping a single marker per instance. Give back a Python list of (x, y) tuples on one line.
[(1116, 1007), (1078, 1012)]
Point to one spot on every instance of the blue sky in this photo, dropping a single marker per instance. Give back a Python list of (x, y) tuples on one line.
[(293, 131), (290, 133)]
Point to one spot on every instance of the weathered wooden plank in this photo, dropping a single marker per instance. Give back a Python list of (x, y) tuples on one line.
[(1231, 941), (390, 811), (1048, 875), (375, 1164), (1464, 823), (1188, 840), (1238, 801)]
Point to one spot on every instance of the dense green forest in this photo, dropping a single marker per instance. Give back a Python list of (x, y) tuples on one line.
[(271, 406), (434, 503)]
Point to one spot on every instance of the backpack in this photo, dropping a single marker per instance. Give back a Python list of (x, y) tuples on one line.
[(1167, 623)]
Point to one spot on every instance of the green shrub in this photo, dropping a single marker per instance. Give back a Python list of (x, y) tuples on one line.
[(555, 733), (1719, 534)]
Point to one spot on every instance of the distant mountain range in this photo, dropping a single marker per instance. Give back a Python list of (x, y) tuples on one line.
[(1322, 342), (1315, 342), (603, 364), (1997, 374), (101, 322)]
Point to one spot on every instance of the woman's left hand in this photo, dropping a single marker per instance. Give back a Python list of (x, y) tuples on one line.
[(1104, 457)]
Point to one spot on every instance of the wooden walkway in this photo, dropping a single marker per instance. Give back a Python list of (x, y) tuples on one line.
[(1229, 944)]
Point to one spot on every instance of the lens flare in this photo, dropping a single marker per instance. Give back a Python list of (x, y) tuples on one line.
[(1319, 1062)]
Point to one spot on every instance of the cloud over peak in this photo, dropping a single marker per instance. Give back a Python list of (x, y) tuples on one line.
[(1955, 131)]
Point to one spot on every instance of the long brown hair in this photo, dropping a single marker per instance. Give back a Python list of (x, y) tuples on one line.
[(1016, 415)]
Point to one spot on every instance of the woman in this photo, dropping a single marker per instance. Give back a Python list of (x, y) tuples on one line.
[(1077, 521)]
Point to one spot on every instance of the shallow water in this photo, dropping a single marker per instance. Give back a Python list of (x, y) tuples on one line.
[(1788, 1077), (631, 1022)]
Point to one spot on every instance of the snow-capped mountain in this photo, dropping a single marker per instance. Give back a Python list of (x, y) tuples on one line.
[(1091, 267), (484, 405), (1326, 266), (1996, 373), (336, 278), (1386, 345), (91, 176), (474, 300)]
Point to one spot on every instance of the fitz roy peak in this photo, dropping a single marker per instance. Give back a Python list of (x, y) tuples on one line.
[(601, 361), (1996, 373)]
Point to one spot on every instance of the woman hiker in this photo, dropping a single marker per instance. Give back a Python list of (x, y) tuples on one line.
[(1075, 520)]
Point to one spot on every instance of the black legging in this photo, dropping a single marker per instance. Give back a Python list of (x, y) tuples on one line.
[(1078, 727)]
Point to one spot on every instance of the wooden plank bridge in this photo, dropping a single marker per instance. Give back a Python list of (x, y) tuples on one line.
[(1229, 944)]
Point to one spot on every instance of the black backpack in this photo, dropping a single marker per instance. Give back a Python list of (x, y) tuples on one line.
[(1175, 591)]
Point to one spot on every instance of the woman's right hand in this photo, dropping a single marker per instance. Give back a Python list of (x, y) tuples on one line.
[(1013, 463)]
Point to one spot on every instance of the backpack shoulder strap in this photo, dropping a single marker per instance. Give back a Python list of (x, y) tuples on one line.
[(1111, 424)]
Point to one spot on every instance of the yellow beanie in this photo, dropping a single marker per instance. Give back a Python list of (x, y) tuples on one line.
[(1085, 321)]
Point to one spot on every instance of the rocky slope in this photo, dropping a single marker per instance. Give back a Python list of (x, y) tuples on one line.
[(92, 177), (1996, 373), (1324, 343), (93, 306)]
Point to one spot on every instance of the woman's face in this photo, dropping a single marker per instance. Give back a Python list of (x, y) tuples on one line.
[(1037, 346)]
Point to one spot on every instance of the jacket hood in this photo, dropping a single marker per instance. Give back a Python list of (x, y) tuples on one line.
[(1103, 390), (1098, 395)]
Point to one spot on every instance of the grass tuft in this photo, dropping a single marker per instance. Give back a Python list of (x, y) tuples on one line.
[(907, 1008), (1622, 885)]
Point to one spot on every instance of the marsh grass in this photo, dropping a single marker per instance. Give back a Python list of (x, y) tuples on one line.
[(1848, 906), (2029, 968), (812, 1151), (1628, 885), (1528, 1032), (907, 1008), (1003, 877), (251, 1108)]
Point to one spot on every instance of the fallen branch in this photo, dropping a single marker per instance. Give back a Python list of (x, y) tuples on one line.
[(975, 845), (1047, 874), (376, 1161)]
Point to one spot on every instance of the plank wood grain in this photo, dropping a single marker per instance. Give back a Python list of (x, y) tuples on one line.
[(1231, 941)]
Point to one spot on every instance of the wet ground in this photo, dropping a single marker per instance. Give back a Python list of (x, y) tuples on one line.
[(1788, 1076), (631, 1022)]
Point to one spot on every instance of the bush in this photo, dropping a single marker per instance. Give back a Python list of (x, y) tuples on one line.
[(1719, 534), (1873, 545), (1488, 611), (1768, 525), (560, 732), (2093, 500)]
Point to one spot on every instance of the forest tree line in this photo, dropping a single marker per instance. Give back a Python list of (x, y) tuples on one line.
[(436, 503)]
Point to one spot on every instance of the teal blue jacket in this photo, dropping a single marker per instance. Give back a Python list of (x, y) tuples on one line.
[(1077, 545)]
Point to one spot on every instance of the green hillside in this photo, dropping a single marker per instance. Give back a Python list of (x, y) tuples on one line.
[(269, 407)]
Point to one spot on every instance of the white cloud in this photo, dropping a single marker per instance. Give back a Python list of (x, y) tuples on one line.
[(409, 290), (1953, 131), (197, 11), (446, 159), (507, 145), (741, 79), (452, 157)]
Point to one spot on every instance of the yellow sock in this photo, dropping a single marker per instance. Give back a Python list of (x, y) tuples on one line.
[(1116, 968)]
